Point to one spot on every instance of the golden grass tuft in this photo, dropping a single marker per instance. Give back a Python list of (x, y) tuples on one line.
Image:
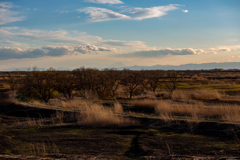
[(98, 116)]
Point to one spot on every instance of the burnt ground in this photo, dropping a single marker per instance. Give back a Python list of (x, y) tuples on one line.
[(151, 139)]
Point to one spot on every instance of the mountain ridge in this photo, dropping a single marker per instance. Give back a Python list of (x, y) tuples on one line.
[(189, 66)]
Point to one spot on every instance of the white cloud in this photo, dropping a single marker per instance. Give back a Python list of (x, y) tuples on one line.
[(103, 14), (8, 16), (185, 11), (105, 1), (91, 48), (52, 51), (144, 13), (164, 52)]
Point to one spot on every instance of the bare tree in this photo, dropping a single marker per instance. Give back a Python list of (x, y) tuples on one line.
[(65, 84), (131, 80), (40, 85), (153, 78), (113, 77), (85, 79), (13, 80), (172, 81), (101, 86)]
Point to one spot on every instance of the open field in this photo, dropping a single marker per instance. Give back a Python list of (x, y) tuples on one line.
[(197, 120)]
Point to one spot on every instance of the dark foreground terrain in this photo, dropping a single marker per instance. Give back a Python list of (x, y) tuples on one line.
[(150, 139)]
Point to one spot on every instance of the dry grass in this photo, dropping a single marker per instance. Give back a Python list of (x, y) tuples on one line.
[(29, 122), (98, 116), (166, 117), (73, 104), (55, 119), (195, 112), (118, 108), (8, 98), (89, 114), (197, 94), (41, 149), (230, 113), (177, 94), (145, 104)]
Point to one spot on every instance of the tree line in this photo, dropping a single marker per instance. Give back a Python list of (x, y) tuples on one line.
[(43, 85)]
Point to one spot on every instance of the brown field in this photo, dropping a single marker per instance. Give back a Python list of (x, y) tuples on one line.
[(91, 114)]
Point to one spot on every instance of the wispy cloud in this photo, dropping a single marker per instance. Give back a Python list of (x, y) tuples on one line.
[(6, 5), (59, 36), (62, 11), (103, 14), (11, 43), (105, 1), (7, 15), (137, 44), (185, 11), (51, 51)]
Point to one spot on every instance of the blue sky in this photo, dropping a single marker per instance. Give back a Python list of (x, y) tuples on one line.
[(98, 33)]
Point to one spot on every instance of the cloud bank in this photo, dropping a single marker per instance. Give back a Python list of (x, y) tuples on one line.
[(164, 52), (8, 16), (103, 14), (52, 51), (169, 51), (64, 37)]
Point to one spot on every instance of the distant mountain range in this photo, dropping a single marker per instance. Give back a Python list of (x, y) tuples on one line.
[(120, 66), (191, 66)]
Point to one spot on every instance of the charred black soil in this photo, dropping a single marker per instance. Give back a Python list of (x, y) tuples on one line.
[(151, 138)]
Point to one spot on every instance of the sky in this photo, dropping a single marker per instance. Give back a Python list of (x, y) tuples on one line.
[(100, 33)]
